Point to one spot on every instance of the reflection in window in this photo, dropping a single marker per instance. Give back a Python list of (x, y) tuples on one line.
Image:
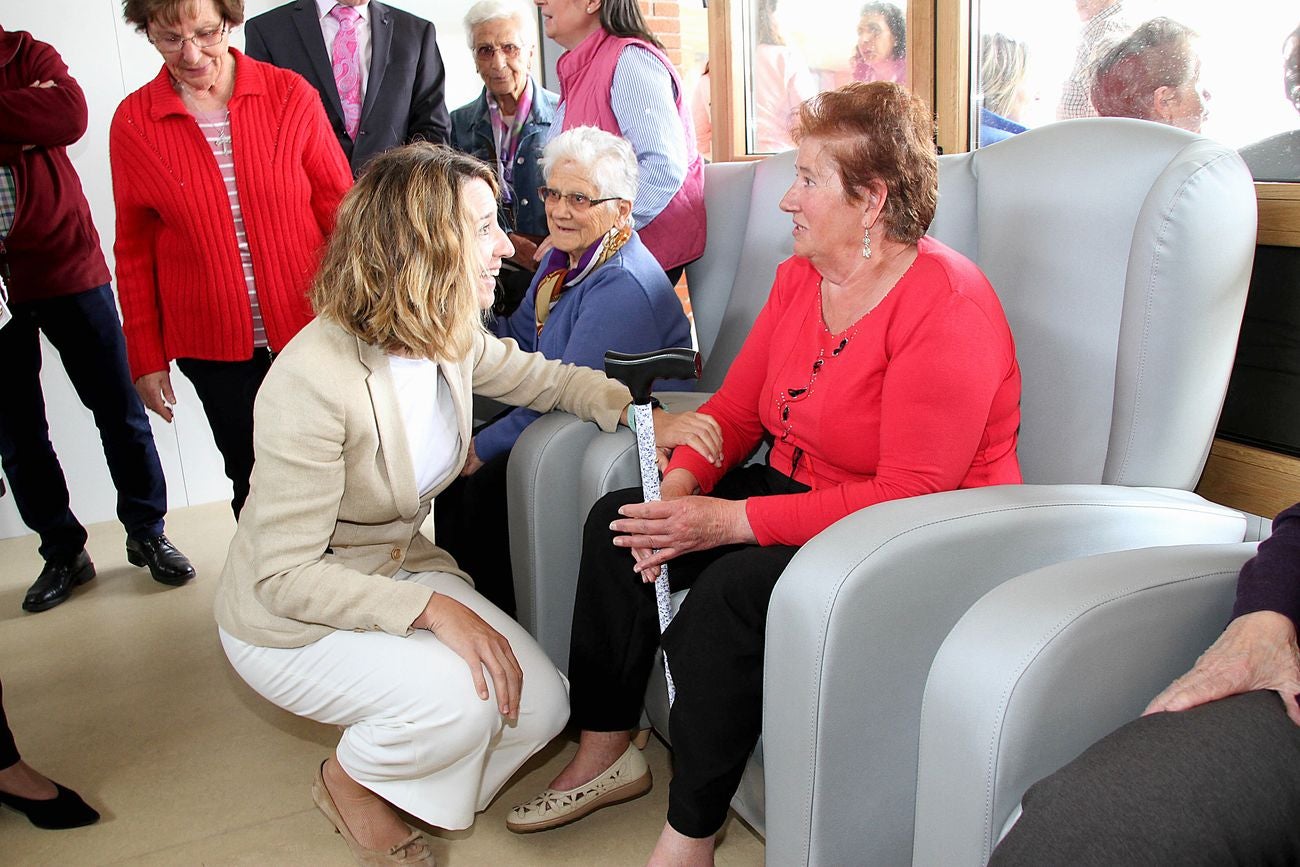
[(1277, 158), (779, 80), (1237, 80), (881, 53), (1004, 68), (791, 56), (1154, 73)]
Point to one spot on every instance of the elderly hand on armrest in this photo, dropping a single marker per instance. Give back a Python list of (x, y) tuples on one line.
[(1256, 651)]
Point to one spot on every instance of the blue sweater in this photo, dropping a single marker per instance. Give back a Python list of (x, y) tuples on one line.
[(626, 304)]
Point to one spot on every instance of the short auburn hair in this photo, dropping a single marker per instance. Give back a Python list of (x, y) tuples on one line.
[(1157, 54), (879, 130), (402, 268), (140, 13)]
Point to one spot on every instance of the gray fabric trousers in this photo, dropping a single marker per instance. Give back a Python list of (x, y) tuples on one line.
[(1217, 784)]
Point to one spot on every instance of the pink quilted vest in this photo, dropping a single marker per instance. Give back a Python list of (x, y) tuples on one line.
[(676, 235)]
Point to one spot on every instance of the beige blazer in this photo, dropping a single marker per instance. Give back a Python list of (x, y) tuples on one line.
[(334, 513)]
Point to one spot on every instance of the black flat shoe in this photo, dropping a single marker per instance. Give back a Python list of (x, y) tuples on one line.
[(166, 564), (64, 810), (55, 583)]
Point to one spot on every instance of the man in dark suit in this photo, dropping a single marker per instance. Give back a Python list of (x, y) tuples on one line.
[(396, 98)]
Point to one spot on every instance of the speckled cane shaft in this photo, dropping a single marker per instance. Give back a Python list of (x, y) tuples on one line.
[(645, 449)]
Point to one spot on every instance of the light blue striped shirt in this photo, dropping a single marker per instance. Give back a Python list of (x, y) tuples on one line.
[(644, 102)]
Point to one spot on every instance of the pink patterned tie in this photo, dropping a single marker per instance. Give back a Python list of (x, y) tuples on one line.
[(347, 66)]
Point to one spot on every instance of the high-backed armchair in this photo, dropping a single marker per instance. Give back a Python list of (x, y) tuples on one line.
[(1047, 664), (1121, 252)]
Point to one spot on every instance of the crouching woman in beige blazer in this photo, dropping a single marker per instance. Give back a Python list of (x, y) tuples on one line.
[(332, 604)]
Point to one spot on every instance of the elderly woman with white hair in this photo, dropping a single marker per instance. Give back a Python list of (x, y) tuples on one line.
[(597, 288), (506, 127)]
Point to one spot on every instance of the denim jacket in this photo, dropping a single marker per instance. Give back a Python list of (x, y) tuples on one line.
[(471, 132)]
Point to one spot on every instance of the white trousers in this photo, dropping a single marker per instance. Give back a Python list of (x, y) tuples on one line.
[(417, 733)]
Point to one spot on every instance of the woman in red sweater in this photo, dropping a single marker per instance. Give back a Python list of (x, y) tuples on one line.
[(881, 367), (226, 176)]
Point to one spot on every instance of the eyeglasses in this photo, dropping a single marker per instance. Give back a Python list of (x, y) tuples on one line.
[(171, 44), (577, 201), (486, 52)]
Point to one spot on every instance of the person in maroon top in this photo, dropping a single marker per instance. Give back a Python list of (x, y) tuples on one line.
[(58, 285), (1210, 774), (881, 367)]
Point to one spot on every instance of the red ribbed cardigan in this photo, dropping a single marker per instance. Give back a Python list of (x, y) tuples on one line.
[(179, 276)]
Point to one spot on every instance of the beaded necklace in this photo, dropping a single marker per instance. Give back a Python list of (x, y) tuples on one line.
[(788, 397)]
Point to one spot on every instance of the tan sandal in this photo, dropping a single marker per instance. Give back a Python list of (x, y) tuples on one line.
[(628, 778), (411, 851)]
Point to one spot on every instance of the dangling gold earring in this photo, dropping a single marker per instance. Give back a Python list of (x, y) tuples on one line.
[(866, 244)]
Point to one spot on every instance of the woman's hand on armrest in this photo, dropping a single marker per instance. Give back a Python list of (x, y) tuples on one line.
[(695, 429), (1256, 651), (482, 647)]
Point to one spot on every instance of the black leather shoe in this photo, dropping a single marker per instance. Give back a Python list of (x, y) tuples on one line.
[(166, 564), (64, 810), (56, 581)]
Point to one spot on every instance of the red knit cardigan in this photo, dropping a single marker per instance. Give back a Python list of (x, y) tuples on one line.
[(924, 396), (179, 275)]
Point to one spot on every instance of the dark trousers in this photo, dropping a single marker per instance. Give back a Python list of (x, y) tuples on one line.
[(8, 749), (85, 330), (227, 390), (714, 647), (1217, 784), (471, 523)]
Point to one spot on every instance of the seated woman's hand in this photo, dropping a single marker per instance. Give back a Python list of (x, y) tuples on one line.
[(482, 647), (657, 532), (695, 429), (1256, 651)]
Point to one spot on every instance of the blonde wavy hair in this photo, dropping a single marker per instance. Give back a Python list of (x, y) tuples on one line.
[(401, 269)]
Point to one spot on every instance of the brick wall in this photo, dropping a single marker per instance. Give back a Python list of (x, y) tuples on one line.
[(665, 21)]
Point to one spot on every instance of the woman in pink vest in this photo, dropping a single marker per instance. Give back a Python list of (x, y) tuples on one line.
[(615, 75)]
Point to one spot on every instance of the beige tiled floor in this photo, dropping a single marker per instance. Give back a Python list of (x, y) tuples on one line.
[(123, 694)]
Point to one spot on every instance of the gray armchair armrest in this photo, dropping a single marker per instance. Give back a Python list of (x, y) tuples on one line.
[(859, 614), (1048, 663), (548, 504)]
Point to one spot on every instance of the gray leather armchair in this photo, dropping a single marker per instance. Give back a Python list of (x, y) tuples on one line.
[(1121, 251), (1047, 664)]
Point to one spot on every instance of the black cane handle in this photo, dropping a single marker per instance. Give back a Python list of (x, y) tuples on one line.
[(638, 372)]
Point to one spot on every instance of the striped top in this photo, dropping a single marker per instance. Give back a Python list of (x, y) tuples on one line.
[(216, 131), (643, 99)]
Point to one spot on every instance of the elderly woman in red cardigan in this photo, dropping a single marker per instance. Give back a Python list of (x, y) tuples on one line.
[(226, 176), (881, 367)]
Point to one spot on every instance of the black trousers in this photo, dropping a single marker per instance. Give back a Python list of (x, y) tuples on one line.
[(8, 749), (227, 390), (714, 647), (471, 522), (85, 331), (1217, 784)]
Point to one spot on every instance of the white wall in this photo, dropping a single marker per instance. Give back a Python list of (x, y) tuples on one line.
[(110, 60)]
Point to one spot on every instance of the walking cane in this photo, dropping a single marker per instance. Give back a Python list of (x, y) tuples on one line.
[(638, 373)]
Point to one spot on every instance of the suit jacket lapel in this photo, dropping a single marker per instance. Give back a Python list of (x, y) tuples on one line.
[(313, 42), (392, 430), (381, 38)]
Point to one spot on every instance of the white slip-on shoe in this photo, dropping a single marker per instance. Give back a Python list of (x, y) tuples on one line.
[(628, 778)]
